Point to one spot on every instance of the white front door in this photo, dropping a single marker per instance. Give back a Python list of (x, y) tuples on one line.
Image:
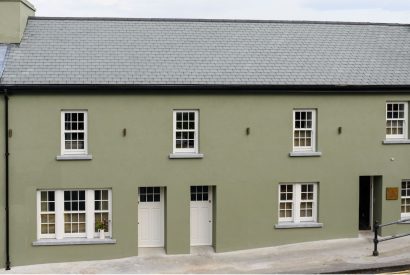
[(151, 217), (201, 215)]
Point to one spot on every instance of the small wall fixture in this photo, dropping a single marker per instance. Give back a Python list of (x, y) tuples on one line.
[(10, 133), (248, 131), (339, 130), (124, 132)]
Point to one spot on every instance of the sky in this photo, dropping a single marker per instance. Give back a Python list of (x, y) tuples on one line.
[(391, 11)]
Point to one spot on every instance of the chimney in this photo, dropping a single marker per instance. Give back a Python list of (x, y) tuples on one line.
[(13, 19)]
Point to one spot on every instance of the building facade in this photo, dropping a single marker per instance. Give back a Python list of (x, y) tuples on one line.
[(158, 155)]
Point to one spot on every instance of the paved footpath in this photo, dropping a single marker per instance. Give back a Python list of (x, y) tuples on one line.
[(312, 257)]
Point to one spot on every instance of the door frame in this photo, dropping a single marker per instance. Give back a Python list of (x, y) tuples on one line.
[(371, 201), (162, 206), (211, 218)]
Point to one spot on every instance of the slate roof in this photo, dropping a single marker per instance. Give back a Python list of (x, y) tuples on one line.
[(3, 51), (113, 51)]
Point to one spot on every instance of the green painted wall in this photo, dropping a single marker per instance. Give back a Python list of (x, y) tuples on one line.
[(245, 170), (13, 19)]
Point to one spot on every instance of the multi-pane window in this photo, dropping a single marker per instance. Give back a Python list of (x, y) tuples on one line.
[(101, 208), (47, 214), (199, 193), (306, 202), (150, 194), (304, 130), (405, 199), (72, 213), (185, 131), (74, 132), (298, 202), (286, 202), (396, 120)]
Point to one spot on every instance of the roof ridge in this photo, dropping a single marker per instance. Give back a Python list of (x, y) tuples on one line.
[(216, 20)]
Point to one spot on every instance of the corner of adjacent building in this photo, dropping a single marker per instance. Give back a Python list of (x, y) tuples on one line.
[(13, 19)]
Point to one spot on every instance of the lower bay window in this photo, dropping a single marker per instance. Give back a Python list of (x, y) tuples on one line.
[(298, 205), (405, 199), (75, 213)]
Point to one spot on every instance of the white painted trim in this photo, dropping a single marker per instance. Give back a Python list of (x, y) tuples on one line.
[(89, 214), (210, 219), (110, 213), (77, 234), (62, 122), (396, 141), (161, 243), (194, 150), (403, 215), (299, 225), (59, 216), (38, 214), (186, 156), (305, 154), (286, 219), (311, 148), (315, 205), (296, 200), (74, 157), (72, 241), (404, 136), (109, 233), (59, 198), (174, 127)]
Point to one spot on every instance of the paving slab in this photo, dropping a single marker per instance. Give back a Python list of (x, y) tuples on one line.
[(341, 255)]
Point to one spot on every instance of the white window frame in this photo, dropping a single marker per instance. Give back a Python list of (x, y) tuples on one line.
[(194, 150), (286, 219), (85, 212), (405, 121), (296, 201), (59, 215), (404, 215), (107, 234), (311, 148), (64, 131), (39, 213)]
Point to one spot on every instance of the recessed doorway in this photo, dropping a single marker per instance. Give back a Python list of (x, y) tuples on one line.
[(151, 217), (201, 215), (366, 200)]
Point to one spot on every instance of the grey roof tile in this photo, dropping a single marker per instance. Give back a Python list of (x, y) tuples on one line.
[(208, 52), (3, 52)]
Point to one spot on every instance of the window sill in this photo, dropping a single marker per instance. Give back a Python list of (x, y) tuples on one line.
[(186, 156), (405, 220), (73, 241), (74, 157), (396, 141), (305, 154), (298, 225)]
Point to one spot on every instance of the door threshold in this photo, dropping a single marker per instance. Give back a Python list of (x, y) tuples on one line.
[(151, 251), (366, 234), (202, 250)]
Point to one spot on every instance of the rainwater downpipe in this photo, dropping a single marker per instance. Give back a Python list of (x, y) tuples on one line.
[(6, 136)]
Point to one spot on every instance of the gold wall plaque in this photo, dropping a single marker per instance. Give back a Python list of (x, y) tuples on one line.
[(392, 193)]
